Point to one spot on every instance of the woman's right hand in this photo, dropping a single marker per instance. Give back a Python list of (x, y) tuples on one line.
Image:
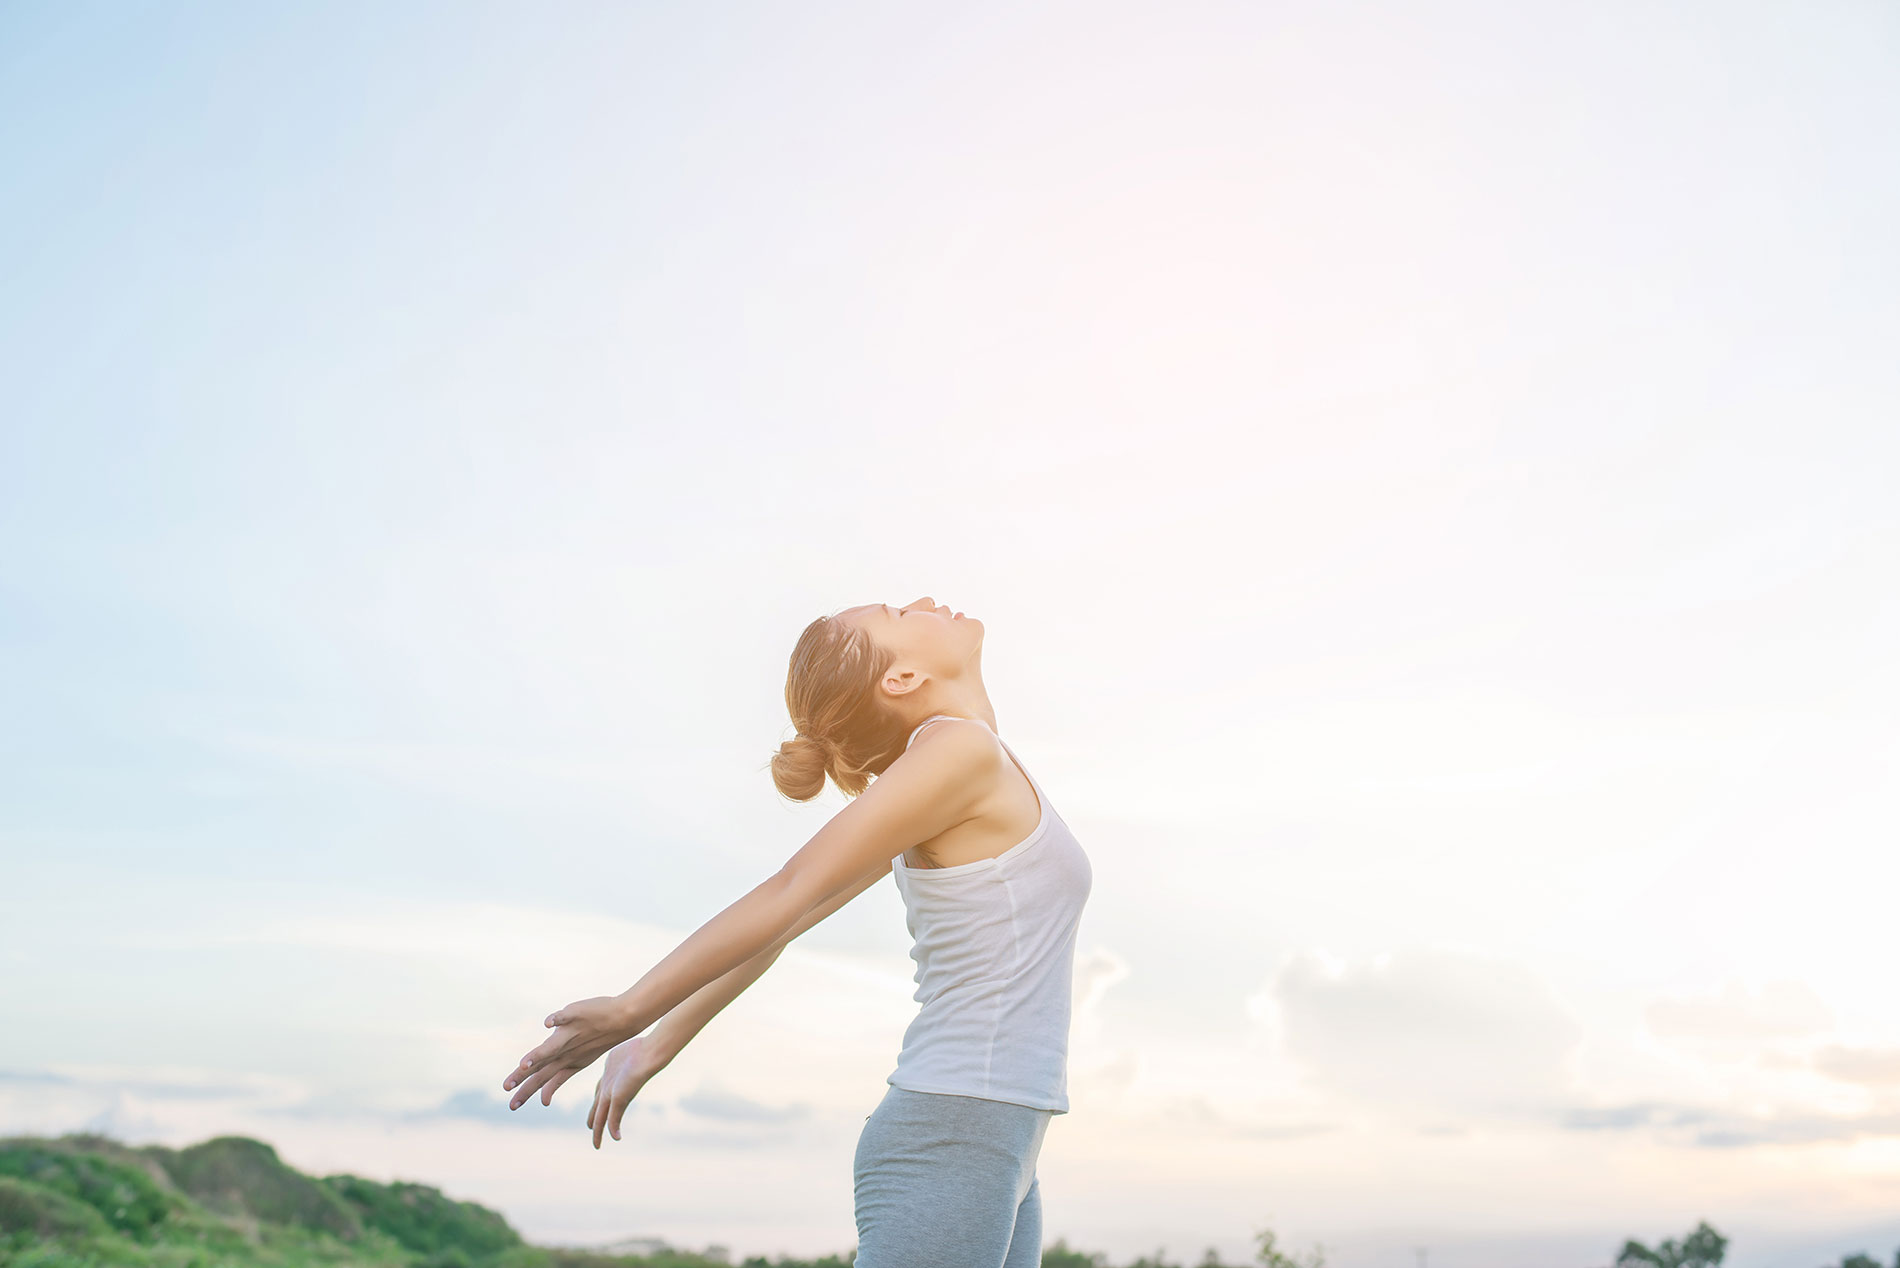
[(629, 1065)]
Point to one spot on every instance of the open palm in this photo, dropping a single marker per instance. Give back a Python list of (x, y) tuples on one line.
[(582, 1031), (628, 1068)]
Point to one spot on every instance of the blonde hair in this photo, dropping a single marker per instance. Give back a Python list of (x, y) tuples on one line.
[(844, 728)]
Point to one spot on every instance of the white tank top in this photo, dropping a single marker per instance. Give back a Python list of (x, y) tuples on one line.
[(994, 942)]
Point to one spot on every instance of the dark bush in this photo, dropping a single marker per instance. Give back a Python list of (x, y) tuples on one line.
[(424, 1219), (36, 1210), (124, 1194), (235, 1175)]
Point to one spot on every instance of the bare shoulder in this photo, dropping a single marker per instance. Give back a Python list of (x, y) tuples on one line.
[(956, 738), (952, 758), (929, 788)]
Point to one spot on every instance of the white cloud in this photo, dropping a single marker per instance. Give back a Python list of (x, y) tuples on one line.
[(1097, 970), (1778, 1009), (1873, 1067), (1427, 1029)]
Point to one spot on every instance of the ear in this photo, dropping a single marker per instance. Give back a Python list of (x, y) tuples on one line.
[(899, 681)]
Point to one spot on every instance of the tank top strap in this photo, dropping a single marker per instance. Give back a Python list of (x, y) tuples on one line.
[(939, 717), (935, 717), (1033, 781)]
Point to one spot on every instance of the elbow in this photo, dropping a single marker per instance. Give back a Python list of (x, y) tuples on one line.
[(789, 903)]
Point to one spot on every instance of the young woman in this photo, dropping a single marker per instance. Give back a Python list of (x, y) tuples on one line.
[(993, 884)]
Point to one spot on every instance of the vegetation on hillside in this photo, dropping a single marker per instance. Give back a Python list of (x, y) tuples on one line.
[(88, 1201)]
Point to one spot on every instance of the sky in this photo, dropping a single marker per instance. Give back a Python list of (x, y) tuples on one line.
[(1426, 474)]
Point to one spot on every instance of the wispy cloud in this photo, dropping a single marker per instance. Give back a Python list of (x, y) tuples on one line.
[(1776, 1009), (717, 1103), (1711, 1127), (1872, 1067), (477, 1106)]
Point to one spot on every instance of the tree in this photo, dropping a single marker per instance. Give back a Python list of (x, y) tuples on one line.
[(1703, 1248), (1061, 1255), (1269, 1254)]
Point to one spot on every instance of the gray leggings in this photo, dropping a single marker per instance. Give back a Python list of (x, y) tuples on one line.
[(942, 1181)]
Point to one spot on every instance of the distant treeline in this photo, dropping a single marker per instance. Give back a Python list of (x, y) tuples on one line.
[(89, 1201)]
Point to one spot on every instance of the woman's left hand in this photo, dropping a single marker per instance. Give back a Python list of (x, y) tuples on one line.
[(582, 1031)]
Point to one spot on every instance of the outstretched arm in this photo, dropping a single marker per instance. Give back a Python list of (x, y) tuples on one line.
[(675, 1030), (632, 1063), (930, 789)]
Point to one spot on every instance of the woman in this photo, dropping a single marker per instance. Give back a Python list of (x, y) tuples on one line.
[(993, 884)]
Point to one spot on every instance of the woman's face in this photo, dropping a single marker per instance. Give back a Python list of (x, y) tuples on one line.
[(924, 635)]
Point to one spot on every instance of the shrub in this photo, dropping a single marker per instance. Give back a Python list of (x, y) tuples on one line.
[(36, 1210)]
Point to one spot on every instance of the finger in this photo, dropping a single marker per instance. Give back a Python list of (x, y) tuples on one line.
[(529, 1088), (606, 1117), (560, 1077), (616, 1109), (522, 1070), (562, 1016), (537, 1057)]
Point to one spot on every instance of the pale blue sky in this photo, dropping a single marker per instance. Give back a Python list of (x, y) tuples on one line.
[(1427, 478)]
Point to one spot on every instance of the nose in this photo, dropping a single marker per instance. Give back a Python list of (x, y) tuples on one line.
[(923, 604)]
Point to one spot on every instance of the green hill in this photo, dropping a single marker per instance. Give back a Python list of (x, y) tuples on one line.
[(88, 1201)]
